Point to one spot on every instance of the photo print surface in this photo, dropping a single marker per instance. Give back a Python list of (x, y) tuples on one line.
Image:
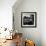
[(28, 19)]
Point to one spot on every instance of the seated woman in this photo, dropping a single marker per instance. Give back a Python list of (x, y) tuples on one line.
[(18, 39)]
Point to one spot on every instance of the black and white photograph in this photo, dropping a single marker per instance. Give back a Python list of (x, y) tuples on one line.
[(28, 19)]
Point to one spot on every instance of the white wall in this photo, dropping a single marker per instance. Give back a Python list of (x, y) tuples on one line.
[(6, 13), (35, 34), (43, 22)]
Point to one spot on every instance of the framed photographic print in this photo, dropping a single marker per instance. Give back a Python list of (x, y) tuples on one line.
[(28, 19)]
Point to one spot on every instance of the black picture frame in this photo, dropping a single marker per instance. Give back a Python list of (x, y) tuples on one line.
[(28, 19)]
